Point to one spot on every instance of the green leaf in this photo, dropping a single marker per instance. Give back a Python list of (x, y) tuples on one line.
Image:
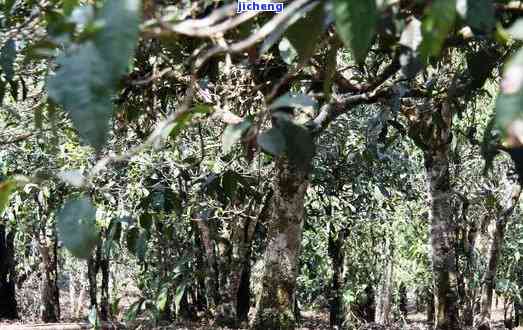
[(287, 51), (297, 101), (436, 26), (7, 59), (233, 133), (356, 22), (272, 141), (180, 290), (478, 14), (6, 189), (146, 221), (288, 137), (77, 229), (300, 144), (81, 86), (305, 33), (119, 36), (161, 300)]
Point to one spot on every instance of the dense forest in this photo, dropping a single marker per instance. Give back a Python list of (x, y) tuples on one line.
[(341, 164)]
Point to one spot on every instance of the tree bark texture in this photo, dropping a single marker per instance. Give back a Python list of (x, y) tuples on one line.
[(275, 303), (430, 128), (496, 232), (50, 309), (337, 255)]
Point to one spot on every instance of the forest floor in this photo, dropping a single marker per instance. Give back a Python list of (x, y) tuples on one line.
[(314, 319)]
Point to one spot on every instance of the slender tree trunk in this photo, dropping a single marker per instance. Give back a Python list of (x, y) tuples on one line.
[(430, 308), (275, 303), (383, 304), (518, 314), (93, 267), (496, 234), (50, 310), (336, 252), (240, 237), (206, 234), (105, 309), (7, 274)]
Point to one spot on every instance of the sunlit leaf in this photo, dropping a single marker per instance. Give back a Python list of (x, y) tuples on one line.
[(180, 290)]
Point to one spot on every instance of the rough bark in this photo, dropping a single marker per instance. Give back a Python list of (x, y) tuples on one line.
[(430, 127), (50, 308), (95, 264), (337, 255), (7, 275), (275, 303), (496, 234), (232, 268), (442, 236), (206, 235), (430, 309), (518, 314), (383, 303)]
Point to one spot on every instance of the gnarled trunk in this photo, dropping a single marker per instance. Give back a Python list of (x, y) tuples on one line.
[(275, 303), (7, 275), (496, 234)]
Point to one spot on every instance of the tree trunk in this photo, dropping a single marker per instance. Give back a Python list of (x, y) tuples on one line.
[(430, 128), (206, 235), (7, 274), (518, 314), (496, 234), (336, 252), (383, 304), (442, 237), (50, 309), (275, 303), (95, 264), (105, 309), (430, 309), (232, 268)]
